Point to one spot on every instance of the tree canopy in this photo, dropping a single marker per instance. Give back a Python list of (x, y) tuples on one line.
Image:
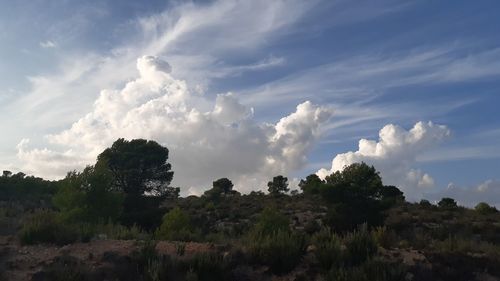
[(278, 185), (138, 166)]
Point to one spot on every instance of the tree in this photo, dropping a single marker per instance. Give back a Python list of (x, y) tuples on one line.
[(484, 208), (359, 177), (357, 195), (448, 203), (6, 174), (425, 203), (138, 166), (88, 196), (224, 185), (311, 185), (140, 170), (278, 185)]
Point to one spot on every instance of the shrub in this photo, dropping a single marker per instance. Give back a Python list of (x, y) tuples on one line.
[(209, 266), (328, 249), (45, 227), (385, 238), (281, 251), (176, 226), (485, 209), (269, 222), (425, 203), (360, 246)]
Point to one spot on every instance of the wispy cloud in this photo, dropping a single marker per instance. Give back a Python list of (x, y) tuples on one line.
[(48, 44)]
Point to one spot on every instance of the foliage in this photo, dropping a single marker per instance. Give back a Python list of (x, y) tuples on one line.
[(278, 185), (88, 196), (485, 209), (45, 227), (425, 203), (384, 237), (447, 203), (221, 187), (271, 242), (19, 187), (356, 195), (327, 249), (281, 250), (209, 266), (269, 222), (311, 185), (224, 185), (176, 226), (138, 166), (360, 246)]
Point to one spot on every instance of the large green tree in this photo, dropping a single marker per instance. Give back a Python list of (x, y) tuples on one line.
[(138, 166), (357, 195), (140, 170)]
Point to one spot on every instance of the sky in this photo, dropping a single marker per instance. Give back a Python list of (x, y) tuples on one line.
[(252, 89)]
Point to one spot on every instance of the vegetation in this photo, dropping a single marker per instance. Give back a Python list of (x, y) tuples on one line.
[(349, 226), (278, 185)]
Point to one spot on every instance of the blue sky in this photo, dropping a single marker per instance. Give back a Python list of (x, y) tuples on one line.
[(372, 63)]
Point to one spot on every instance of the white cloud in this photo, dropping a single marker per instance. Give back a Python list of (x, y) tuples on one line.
[(394, 155), (48, 44), (488, 191), (206, 140)]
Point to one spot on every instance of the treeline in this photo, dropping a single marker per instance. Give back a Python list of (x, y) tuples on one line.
[(344, 219)]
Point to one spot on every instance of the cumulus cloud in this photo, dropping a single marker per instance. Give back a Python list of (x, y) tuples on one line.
[(394, 155), (488, 191), (207, 139)]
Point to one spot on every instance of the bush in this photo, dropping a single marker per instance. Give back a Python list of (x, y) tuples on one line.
[(209, 266), (485, 209), (281, 251), (270, 221), (385, 238), (425, 203), (328, 249), (176, 226), (360, 246), (45, 227)]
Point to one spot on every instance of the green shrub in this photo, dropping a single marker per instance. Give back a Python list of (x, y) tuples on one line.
[(281, 250), (360, 246), (328, 249), (45, 227), (270, 221), (485, 209), (176, 226)]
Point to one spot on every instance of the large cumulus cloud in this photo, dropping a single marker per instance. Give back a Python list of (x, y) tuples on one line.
[(207, 140), (394, 155)]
